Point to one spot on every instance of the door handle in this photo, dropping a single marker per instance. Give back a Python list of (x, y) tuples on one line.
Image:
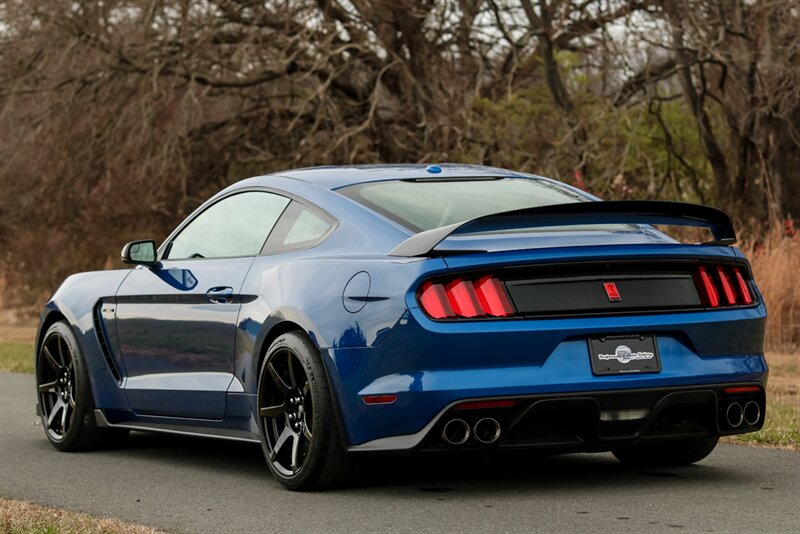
[(220, 295)]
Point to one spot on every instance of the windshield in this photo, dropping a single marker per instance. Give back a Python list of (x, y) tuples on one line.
[(425, 204)]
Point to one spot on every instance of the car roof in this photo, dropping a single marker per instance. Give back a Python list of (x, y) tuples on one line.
[(336, 176)]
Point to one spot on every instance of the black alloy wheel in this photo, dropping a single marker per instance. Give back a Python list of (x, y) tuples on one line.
[(300, 434), (66, 404), (56, 386), (287, 412)]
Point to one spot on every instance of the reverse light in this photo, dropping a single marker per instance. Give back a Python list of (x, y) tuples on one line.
[(624, 415), (465, 298)]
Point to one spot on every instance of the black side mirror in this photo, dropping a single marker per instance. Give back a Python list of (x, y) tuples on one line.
[(140, 253)]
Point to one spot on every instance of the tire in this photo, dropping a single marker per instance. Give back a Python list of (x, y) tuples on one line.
[(321, 460), (666, 453), (65, 398)]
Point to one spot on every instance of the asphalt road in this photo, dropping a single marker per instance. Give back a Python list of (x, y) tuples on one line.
[(197, 485)]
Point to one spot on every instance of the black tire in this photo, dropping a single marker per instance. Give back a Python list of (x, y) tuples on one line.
[(666, 453), (321, 460), (65, 396)]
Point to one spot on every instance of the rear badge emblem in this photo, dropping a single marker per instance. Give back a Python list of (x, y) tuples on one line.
[(612, 292)]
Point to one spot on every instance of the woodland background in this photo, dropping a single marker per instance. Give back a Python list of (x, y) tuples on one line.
[(118, 117)]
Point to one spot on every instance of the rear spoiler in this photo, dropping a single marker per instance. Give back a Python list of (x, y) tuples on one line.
[(575, 213)]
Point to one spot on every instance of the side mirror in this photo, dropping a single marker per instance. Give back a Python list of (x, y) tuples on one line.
[(140, 253)]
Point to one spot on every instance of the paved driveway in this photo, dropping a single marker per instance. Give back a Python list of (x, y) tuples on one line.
[(197, 485)]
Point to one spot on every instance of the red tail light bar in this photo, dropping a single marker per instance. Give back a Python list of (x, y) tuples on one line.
[(467, 298), (477, 296), (721, 286)]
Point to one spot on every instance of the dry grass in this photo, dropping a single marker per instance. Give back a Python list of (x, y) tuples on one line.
[(23, 517), (17, 333), (17, 325), (775, 261)]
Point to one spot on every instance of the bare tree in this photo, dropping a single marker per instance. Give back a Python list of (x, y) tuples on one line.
[(120, 116)]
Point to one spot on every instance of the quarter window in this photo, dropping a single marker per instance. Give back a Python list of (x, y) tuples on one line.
[(237, 225), (308, 227), (300, 227)]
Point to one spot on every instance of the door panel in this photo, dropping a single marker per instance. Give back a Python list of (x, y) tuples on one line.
[(176, 338), (177, 323)]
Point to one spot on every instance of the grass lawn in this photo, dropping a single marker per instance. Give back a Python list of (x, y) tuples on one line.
[(23, 517), (781, 429), (782, 426), (16, 357)]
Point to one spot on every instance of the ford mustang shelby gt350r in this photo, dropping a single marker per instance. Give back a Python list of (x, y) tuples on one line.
[(333, 311)]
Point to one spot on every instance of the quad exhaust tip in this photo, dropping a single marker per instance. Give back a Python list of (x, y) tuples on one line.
[(752, 413), (487, 430), (456, 432), (734, 414)]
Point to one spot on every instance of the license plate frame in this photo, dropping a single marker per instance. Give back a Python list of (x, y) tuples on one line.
[(624, 354)]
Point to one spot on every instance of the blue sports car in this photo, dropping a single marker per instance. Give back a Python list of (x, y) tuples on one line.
[(332, 312)]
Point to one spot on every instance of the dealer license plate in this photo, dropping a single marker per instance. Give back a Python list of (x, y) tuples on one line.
[(612, 355)]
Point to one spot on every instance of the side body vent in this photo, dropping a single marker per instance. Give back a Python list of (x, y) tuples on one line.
[(102, 337)]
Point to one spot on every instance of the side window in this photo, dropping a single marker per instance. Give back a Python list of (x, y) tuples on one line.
[(299, 227), (237, 225)]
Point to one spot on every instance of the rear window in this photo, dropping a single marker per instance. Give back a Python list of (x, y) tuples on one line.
[(425, 204)]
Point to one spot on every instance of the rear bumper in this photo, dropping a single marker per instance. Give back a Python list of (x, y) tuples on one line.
[(430, 366), (593, 421)]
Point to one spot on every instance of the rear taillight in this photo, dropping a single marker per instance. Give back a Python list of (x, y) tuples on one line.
[(434, 301), (465, 298), (721, 285), (708, 290), (493, 298), (744, 289), (727, 290)]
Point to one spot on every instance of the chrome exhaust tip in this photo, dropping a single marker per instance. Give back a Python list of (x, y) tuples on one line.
[(486, 430), (456, 432), (734, 414), (752, 413)]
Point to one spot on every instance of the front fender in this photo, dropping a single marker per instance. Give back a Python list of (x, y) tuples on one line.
[(74, 301)]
